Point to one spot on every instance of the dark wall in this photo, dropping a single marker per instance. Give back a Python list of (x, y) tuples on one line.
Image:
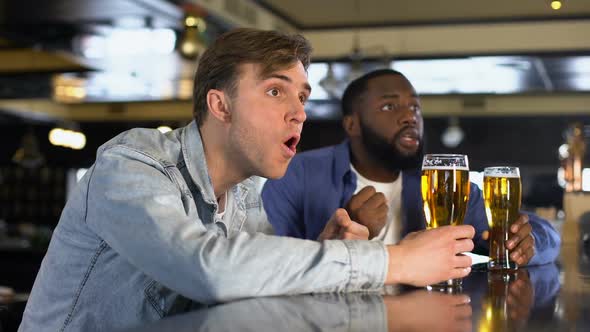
[(520, 141)]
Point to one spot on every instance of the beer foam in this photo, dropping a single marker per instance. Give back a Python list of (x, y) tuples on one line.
[(502, 172), (501, 175), (445, 168)]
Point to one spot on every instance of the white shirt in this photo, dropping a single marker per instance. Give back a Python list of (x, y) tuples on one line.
[(390, 233), (219, 215)]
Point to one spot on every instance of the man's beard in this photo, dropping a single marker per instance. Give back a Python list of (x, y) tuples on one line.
[(387, 154)]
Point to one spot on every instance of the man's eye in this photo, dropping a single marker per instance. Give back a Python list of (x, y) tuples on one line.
[(389, 107), (273, 92), (303, 99)]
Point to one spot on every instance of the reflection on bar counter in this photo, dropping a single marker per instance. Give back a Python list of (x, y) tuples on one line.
[(490, 302)]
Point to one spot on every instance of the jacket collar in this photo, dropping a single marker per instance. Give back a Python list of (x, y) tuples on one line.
[(341, 161), (196, 163)]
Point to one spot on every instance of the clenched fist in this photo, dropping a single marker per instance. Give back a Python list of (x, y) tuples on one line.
[(368, 207)]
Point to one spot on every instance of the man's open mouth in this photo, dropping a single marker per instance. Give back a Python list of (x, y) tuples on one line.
[(291, 142), (409, 136)]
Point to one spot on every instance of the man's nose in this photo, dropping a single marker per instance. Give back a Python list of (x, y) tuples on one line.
[(297, 113), (409, 115)]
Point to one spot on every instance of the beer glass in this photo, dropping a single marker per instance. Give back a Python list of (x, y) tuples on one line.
[(502, 194), (445, 194)]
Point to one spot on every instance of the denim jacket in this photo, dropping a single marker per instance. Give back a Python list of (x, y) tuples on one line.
[(137, 241)]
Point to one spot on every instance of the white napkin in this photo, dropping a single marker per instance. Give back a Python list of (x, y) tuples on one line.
[(476, 259)]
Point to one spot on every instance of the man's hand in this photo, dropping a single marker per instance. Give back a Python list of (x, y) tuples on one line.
[(340, 227), (521, 243), (427, 257), (368, 207)]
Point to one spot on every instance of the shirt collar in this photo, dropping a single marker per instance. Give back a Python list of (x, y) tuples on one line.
[(341, 161)]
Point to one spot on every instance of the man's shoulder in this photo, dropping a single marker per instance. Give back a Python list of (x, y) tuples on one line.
[(320, 160), (320, 155), (412, 172), (146, 141)]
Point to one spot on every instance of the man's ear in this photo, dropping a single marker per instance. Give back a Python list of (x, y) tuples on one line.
[(218, 105), (351, 124)]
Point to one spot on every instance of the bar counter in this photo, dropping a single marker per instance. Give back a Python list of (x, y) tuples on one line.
[(553, 297)]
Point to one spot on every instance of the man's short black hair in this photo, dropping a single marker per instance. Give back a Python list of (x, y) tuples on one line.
[(357, 87)]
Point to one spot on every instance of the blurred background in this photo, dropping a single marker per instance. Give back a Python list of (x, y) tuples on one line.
[(505, 82)]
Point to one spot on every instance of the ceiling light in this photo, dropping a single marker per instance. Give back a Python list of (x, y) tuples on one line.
[(453, 135), (67, 138), (69, 88), (556, 4), (195, 22), (356, 61), (192, 43), (331, 84), (564, 151)]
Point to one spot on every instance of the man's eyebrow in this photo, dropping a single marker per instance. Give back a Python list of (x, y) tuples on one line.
[(288, 79), (389, 95), (395, 95)]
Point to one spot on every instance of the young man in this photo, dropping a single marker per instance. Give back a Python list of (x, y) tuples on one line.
[(375, 176), (161, 221)]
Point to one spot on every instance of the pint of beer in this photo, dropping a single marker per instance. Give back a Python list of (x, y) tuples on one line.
[(502, 195), (445, 189), (445, 194)]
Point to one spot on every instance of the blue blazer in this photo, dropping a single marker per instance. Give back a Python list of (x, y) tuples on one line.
[(320, 181)]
